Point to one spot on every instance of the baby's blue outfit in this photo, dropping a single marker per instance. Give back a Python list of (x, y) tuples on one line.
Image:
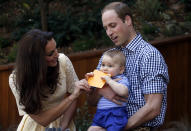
[(109, 115)]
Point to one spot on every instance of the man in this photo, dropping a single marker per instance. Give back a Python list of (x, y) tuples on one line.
[(145, 68)]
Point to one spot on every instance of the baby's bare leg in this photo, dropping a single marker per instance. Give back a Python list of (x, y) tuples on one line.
[(96, 128)]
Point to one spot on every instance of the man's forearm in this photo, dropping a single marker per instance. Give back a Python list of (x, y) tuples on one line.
[(140, 117), (148, 112)]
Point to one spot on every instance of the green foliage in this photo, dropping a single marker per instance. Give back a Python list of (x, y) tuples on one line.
[(3, 59), (188, 17), (76, 20), (83, 44), (12, 54), (87, 43), (172, 29), (83, 118), (149, 31), (67, 30), (2, 1), (185, 26), (148, 9), (80, 23), (77, 23), (4, 20), (25, 22), (148, 28), (187, 4), (165, 16), (4, 42)]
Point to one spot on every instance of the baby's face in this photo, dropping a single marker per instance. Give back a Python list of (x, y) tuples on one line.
[(110, 66)]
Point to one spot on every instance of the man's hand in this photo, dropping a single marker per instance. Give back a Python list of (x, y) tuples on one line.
[(109, 94)]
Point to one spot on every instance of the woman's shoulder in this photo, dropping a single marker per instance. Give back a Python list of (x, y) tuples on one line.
[(12, 77), (62, 58)]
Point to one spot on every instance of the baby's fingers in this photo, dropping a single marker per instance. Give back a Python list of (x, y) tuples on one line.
[(117, 79), (90, 74), (117, 102)]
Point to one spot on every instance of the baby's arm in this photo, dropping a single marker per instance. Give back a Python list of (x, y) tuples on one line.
[(118, 88)]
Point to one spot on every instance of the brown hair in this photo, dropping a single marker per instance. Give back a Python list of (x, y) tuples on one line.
[(120, 8), (34, 79), (117, 55)]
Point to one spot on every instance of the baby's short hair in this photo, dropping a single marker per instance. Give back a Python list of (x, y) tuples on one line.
[(117, 55)]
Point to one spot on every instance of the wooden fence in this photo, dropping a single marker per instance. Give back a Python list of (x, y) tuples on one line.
[(176, 51)]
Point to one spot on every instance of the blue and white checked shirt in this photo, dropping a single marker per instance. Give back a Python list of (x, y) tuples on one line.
[(147, 73)]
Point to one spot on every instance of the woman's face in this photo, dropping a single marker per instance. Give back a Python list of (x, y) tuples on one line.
[(51, 53)]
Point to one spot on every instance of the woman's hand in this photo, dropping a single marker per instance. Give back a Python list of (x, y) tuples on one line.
[(80, 86)]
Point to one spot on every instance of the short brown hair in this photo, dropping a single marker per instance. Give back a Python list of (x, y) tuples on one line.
[(120, 8), (117, 55)]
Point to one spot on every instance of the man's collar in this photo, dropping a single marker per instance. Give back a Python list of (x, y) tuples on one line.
[(133, 44)]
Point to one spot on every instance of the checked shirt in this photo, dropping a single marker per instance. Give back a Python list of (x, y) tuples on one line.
[(147, 73)]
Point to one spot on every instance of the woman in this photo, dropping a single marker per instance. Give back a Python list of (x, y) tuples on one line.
[(41, 81)]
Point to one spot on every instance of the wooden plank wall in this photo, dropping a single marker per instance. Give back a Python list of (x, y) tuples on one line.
[(176, 51), (8, 110)]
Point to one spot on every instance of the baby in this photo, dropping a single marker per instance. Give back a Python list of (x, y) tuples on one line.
[(110, 116)]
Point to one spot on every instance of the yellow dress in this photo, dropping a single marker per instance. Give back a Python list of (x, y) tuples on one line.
[(67, 77)]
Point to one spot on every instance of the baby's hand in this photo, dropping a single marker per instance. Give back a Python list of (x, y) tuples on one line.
[(88, 75), (106, 78), (117, 79)]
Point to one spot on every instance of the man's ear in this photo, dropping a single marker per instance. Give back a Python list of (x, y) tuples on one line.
[(128, 20)]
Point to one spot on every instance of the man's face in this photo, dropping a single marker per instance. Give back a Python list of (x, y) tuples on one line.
[(116, 29)]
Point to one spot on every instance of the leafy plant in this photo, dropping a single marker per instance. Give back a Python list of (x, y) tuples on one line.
[(185, 26), (188, 17), (12, 54), (88, 43), (77, 24), (149, 31), (149, 28), (69, 24), (83, 44), (4, 42), (172, 29), (148, 9), (187, 4), (4, 20), (83, 118), (67, 30), (25, 22)]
